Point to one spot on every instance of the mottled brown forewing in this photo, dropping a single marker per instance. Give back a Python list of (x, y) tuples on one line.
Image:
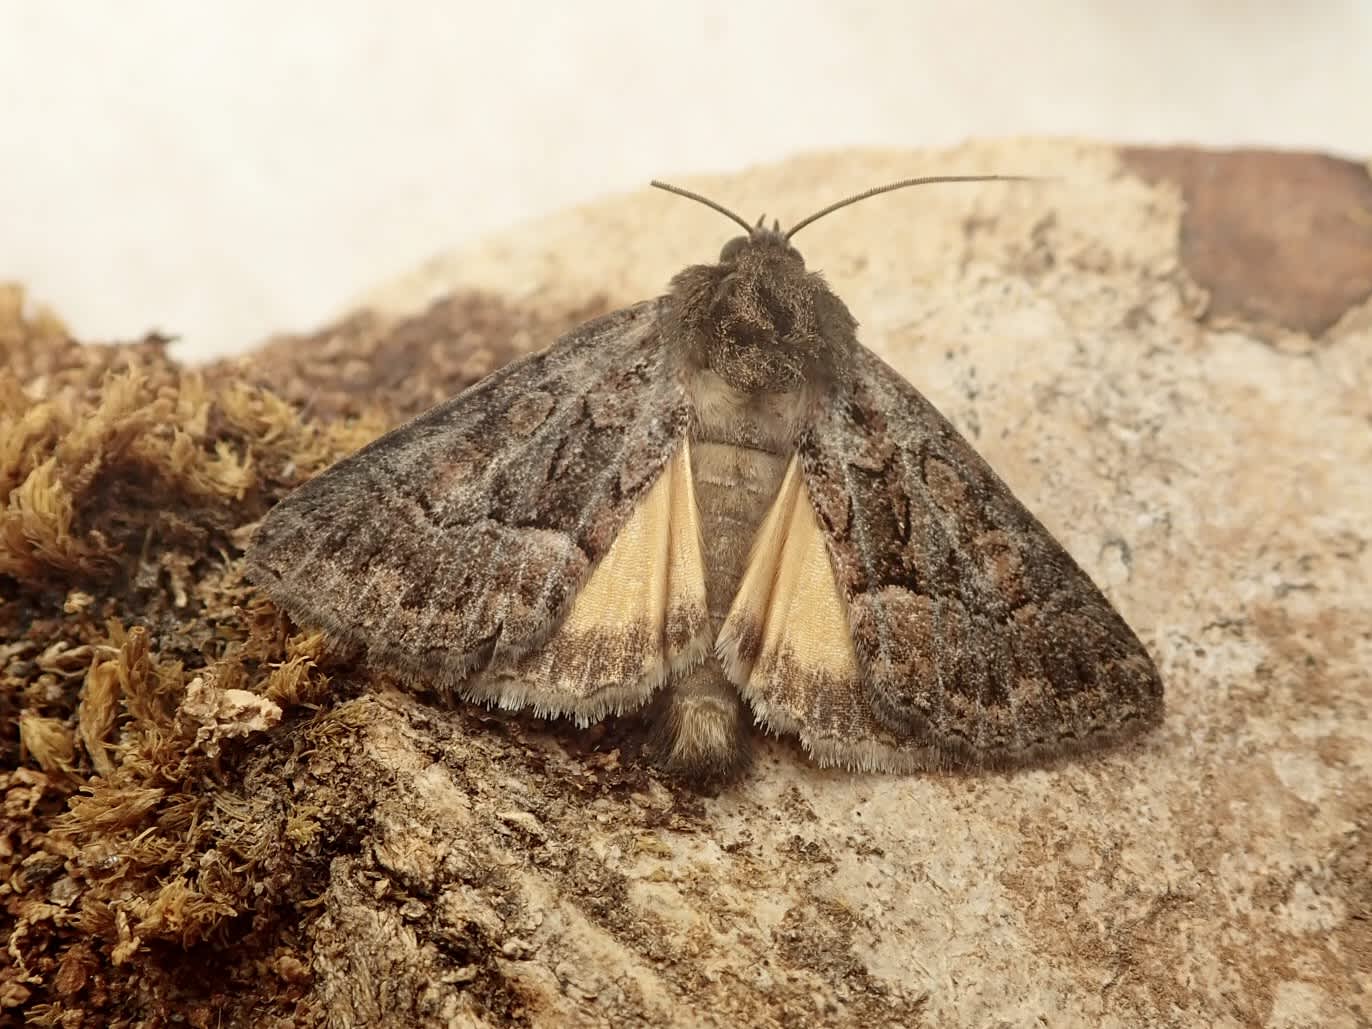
[(464, 534), (977, 634)]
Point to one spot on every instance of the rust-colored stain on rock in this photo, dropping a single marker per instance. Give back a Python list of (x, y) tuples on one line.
[(1278, 239)]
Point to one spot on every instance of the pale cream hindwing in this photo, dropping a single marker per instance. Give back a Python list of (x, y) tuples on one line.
[(640, 618), (786, 643)]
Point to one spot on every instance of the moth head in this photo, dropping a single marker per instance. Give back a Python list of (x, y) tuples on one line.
[(758, 317)]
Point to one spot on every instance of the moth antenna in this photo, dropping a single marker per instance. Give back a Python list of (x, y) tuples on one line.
[(704, 200), (927, 180)]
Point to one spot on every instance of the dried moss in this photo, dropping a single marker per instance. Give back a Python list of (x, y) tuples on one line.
[(142, 681)]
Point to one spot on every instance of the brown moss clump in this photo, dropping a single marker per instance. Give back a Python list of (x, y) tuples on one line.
[(138, 670)]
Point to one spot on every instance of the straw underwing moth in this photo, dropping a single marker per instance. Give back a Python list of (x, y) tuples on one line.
[(716, 504)]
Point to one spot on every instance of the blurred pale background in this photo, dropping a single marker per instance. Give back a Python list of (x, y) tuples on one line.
[(220, 172)]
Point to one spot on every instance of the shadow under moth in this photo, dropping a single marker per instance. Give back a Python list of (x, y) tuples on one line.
[(716, 503)]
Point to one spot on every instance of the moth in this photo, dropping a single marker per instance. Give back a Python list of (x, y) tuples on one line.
[(720, 506)]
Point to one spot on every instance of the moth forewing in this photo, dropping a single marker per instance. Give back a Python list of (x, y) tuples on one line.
[(978, 636), (463, 537)]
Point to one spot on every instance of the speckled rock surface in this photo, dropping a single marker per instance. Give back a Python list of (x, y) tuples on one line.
[(1132, 347)]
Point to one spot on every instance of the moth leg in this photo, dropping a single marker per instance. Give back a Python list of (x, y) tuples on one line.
[(701, 728)]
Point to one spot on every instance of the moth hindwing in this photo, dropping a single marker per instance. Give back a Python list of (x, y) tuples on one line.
[(716, 503)]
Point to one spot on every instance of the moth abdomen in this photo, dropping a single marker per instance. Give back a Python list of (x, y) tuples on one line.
[(700, 727)]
